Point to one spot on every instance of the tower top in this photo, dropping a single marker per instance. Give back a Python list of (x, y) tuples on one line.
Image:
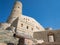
[(16, 11), (19, 2)]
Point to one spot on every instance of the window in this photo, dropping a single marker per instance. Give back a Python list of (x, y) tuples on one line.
[(28, 19), (37, 27), (27, 27), (32, 28), (18, 7), (24, 18), (21, 25)]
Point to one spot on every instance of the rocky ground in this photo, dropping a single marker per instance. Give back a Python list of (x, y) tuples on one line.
[(6, 37)]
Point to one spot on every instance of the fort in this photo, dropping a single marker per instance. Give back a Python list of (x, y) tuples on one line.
[(24, 30)]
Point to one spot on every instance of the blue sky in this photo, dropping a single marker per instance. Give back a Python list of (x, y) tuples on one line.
[(46, 12)]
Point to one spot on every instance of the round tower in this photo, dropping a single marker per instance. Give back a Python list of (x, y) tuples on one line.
[(16, 12)]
